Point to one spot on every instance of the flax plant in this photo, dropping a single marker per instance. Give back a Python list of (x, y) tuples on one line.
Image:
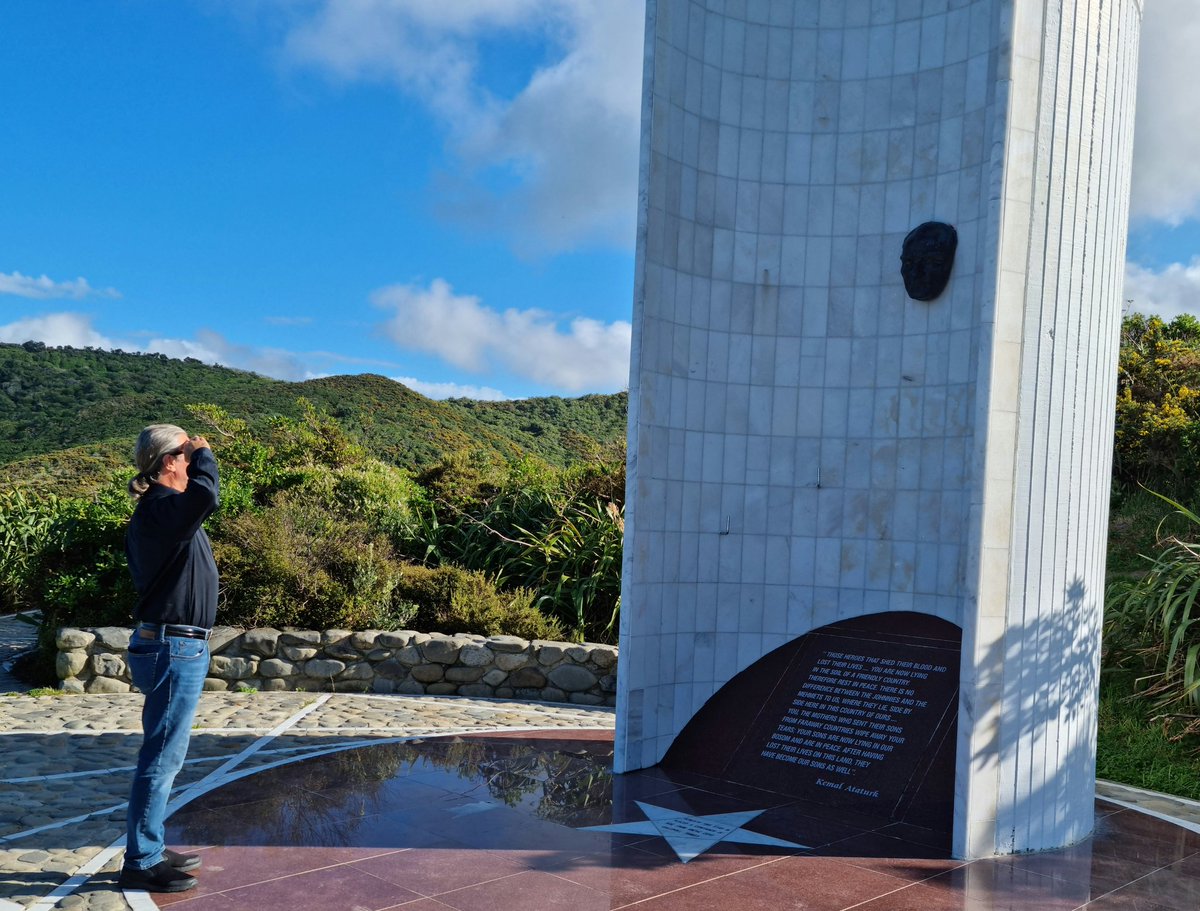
[(1152, 621)]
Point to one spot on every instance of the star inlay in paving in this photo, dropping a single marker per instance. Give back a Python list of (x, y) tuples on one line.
[(690, 836)]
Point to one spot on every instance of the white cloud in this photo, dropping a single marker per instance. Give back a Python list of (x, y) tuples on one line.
[(555, 164), (45, 288), (585, 355), (213, 348), (1166, 169), (75, 330), (1173, 291), (452, 390), (55, 329)]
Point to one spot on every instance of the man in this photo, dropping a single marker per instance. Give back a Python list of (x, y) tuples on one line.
[(171, 561)]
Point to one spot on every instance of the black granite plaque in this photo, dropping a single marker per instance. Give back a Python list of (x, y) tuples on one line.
[(857, 715)]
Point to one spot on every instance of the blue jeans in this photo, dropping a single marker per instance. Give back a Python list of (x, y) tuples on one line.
[(170, 672)]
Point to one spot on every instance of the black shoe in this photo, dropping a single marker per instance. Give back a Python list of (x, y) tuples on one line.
[(162, 877), (181, 862)]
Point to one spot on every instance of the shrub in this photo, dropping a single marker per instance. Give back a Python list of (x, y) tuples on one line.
[(450, 599), (1158, 403), (25, 523), (80, 576), (300, 563)]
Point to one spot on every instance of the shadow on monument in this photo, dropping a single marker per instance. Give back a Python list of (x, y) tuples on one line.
[(858, 720)]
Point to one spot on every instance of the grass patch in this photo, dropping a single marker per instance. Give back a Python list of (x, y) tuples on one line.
[(1133, 749), (39, 692), (1136, 521)]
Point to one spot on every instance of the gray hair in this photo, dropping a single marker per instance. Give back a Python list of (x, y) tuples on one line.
[(153, 443)]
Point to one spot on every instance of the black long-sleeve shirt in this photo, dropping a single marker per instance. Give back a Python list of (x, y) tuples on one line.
[(169, 554)]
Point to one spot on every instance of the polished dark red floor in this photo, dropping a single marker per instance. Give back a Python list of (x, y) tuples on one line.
[(498, 822)]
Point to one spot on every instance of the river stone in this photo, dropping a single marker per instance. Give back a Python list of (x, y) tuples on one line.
[(527, 677), (397, 639), (604, 656), (511, 662), (495, 677), (358, 671), (428, 673), (72, 685), (507, 643), (113, 638), (608, 683), (391, 669), (410, 655), (578, 653), (275, 685), (343, 649), (381, 685), (74, 638), (232, 668), (504, 692), (476, 656), (276, 667), (323, 667), (106, 685), (261, 641), (351, 686), (572, 678), (442, 689), (553, 694), (298, 652), (108, 666), (442, 651), (411, 687), (526, 692), (365, 640), (330, 636), (221, 637), (376, 655), (549, 653), (68, 664), (476, 690), (301, 637), (463, 674)]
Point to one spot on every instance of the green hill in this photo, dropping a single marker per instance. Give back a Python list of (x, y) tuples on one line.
[(94, 403)]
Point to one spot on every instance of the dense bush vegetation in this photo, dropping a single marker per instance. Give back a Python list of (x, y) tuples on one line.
[(1158, 405), (61, 398), (1152, 641), (314, 531)]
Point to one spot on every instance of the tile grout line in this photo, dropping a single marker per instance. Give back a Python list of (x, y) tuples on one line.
[(218, 778), (91, 867), (765, 863)]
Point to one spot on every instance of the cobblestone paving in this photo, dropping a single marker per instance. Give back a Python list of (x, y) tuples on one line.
[(65, 763), (16, 637)]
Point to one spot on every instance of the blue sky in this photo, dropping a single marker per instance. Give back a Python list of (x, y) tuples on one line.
[(440, 191)]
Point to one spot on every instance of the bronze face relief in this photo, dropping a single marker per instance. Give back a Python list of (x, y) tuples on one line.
[(927, 258)]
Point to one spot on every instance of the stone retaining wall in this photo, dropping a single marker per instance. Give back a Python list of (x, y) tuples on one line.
[(93, 661)]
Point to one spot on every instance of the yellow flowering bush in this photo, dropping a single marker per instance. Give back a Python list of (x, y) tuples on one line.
[(1158, 403)]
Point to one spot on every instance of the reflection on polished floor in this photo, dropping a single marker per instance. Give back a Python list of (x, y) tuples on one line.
[(535, 821)]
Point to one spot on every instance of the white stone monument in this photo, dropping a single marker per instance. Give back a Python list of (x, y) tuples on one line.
[(808, 443)]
